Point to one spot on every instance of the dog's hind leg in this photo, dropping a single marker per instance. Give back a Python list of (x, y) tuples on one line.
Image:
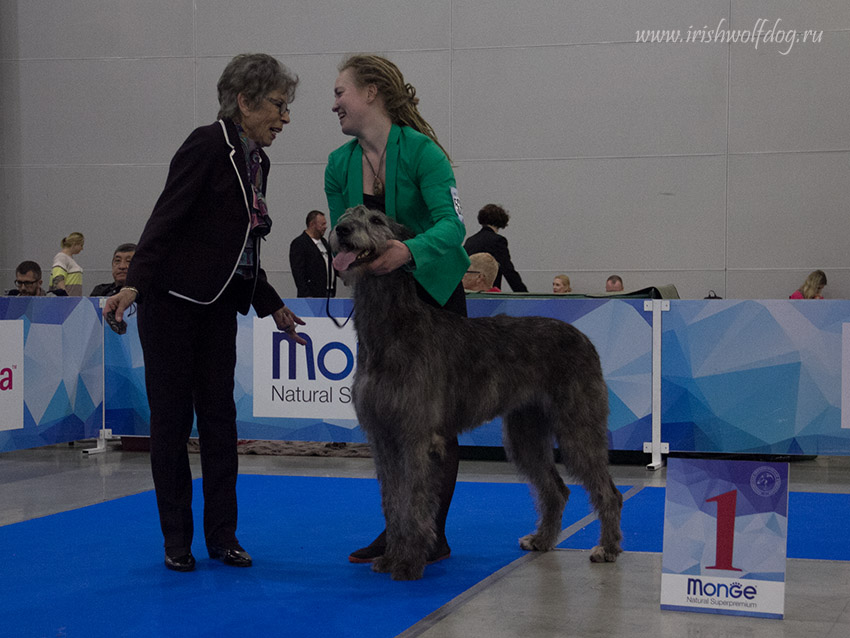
[(585, 455), (529, 444)]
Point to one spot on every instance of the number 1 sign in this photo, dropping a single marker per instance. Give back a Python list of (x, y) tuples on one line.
[(725, 537)]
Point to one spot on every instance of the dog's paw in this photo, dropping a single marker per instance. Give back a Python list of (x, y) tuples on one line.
[(383, 565), (600, 555), (534, 543), (403, 571)]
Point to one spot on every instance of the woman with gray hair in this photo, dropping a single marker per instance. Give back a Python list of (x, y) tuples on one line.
[(196, 265)]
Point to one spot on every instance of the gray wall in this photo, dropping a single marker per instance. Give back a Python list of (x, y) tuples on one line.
[(708, 165)]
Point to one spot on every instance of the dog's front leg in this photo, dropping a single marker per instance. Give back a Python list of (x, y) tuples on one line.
[(409, 502)]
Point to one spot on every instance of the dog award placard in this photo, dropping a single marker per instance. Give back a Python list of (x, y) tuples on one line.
[(725, 537)]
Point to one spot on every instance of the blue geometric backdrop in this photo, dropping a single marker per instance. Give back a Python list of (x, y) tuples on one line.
[(737, 376), (754, 376), (619, 329), (63, 370)]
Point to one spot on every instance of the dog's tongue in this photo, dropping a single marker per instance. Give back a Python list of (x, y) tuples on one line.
[(343, 260)]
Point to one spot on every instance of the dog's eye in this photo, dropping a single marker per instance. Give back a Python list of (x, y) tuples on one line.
[(377, 219)]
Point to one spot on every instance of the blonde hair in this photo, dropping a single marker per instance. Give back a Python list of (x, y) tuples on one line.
[(813, 284), (74, 239), (564, 280), (487, 265), (399, 97)]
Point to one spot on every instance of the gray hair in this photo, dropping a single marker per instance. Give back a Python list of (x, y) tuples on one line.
[(254, 75)]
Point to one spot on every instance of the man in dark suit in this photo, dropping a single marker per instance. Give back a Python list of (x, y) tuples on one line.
[(487, 240), (311, 261)]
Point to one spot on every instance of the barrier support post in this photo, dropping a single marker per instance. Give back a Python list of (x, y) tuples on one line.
[(655, 447), (104, 434)]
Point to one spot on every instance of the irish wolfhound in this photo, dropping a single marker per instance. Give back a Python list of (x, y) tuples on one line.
[(421, 370)]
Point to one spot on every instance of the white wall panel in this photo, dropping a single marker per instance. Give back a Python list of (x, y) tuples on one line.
[(789, 210), (791, 14), (95, 28), (100, 111), (478, 23), (320, 26), (788, 102), (597, 100), (604, 214)]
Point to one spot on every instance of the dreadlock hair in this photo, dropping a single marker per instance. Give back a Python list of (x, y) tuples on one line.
[(399, 97)]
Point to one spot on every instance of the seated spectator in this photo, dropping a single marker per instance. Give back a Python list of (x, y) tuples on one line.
[(481, 273), (614, 283), (28, 282), (121, 259), (561, 285), (812, 287), (487, 240)]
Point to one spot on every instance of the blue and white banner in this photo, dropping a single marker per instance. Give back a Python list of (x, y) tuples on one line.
[(311, 381), (51, 364), (725, 537), (11, 375)]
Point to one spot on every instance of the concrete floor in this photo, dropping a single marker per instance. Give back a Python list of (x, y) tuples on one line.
[(559, 593)]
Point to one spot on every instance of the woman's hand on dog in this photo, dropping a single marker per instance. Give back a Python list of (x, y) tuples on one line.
[(394, 257)]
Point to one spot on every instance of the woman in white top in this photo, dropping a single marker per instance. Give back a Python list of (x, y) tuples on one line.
[(67, 274)]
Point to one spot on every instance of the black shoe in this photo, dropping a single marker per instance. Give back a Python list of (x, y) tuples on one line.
[(371, 552), (440, 552), (184, 563), (236, 557)]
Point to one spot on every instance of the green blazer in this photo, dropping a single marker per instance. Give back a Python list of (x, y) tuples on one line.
[(420, 193)]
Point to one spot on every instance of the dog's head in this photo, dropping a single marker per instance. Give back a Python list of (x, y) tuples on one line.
[(360, 236)]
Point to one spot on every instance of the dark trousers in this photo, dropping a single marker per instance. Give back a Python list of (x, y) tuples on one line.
[(446, 467), (190, 358)]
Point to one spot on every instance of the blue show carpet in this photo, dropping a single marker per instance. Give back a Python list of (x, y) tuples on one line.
[(97, 571)]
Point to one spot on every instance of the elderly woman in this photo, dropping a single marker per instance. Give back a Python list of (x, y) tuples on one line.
[(196, 265), (66, 273), (812, 287), (396, 165)]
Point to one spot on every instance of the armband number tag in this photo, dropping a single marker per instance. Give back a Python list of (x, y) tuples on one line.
[(456, 202)]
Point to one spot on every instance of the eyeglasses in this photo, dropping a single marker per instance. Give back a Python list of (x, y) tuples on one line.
[(21, 283), (282, 107)]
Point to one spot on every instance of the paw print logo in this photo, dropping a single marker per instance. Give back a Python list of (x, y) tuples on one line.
[(765, 481)]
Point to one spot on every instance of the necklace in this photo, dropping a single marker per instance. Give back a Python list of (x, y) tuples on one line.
[(377, 185)]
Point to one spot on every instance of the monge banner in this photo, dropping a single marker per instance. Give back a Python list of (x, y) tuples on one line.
[(725, 537), (312, 381), (11, 375)]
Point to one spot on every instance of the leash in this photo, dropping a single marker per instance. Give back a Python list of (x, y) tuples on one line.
[(332, 318)]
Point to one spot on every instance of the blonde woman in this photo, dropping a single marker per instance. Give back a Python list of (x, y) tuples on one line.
[(561, 285), (394, 164), (67, 274), (812, 287)]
